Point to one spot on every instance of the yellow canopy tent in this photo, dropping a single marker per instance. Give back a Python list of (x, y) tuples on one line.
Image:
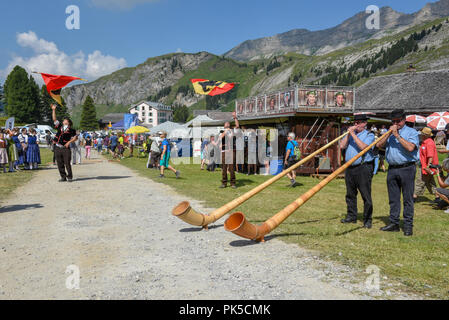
[(137, 130)]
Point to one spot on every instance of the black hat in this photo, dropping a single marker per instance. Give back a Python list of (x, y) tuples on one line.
[(398, 114), (360, 117)]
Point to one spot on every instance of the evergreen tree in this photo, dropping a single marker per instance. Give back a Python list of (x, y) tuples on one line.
[(1, 99), (89, 116), (181, 114), (22, 96), (36, 115), (45, 102)]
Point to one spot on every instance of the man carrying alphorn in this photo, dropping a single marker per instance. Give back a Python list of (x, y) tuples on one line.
[(359, 175)]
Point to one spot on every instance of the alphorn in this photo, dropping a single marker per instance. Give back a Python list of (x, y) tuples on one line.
[(185, 212), (237, 223)]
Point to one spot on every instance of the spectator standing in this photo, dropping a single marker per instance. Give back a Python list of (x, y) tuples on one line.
[(23, 139), (290, 158), (88, 146), (113, 145), (33, 154), (75, 147), (428, 156), (165, 157), (227, 139), (252, 151)]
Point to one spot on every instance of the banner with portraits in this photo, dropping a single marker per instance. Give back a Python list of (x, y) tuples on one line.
[(340, 99), (272, 103), (287, 99), (311, 98), (240, 107), (251, 106), (297, 99), (260, 105)]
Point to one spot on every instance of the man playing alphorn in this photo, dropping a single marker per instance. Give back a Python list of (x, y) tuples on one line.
[(402, 145), (359, 175)]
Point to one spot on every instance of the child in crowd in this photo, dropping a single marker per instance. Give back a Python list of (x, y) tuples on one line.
[(33, 154)]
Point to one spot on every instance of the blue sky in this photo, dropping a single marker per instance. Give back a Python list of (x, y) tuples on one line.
[(118, 33)]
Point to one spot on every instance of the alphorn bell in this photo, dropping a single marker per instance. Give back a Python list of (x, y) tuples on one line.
[(185, 212), (237, 223)]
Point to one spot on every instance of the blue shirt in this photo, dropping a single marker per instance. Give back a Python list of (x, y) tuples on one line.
[(367, 137), (114, 140), (291, 146), (166, 143), (396, 154)]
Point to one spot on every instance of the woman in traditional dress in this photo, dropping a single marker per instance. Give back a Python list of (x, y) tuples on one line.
[(3, 153), (11, 150), (33, 155), (20, 159)]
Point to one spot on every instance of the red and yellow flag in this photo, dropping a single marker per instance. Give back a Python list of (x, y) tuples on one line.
[(211, 87), (55, 83)]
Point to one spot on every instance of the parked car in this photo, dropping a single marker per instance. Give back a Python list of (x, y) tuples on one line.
[(41, 131)]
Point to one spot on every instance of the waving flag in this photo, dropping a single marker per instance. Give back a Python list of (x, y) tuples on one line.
[(55, 83), (211, 87)]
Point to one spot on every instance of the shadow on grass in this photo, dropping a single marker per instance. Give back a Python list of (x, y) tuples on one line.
[(198, 229), (244, 182), (102, 178), (348, 231), (245, 243), (19, 207), (384, 219)]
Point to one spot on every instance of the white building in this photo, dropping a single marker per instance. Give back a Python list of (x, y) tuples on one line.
[(152, 113)]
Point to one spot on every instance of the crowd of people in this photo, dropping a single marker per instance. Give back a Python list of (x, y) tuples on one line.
[(19, 150)]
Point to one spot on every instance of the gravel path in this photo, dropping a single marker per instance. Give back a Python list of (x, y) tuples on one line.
[(117, 228)]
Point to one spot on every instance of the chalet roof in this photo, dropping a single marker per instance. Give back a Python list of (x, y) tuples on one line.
[(214, 115), (415, 92), (112, 117)]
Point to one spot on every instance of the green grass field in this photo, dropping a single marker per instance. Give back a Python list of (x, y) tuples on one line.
[(420, 262), (10, 181)]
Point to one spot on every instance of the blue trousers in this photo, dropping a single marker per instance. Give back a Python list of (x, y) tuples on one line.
[(401, 181)]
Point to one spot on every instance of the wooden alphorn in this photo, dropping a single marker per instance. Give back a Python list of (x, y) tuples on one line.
[(237, 223), (185, 212)]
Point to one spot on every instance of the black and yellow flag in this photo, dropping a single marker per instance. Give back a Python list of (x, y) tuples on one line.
[(211, 87)]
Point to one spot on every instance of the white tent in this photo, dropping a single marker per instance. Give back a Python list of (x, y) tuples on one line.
[(173, 129), (198, 129)]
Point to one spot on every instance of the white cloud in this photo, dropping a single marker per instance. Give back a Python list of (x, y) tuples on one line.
[(119, 4), (49, 59)]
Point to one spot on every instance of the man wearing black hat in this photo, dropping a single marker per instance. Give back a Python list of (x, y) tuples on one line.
[(359, 176), (402, 146)]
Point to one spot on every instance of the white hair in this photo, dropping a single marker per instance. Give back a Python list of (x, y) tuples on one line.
[(292, 135), (446, 164)]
